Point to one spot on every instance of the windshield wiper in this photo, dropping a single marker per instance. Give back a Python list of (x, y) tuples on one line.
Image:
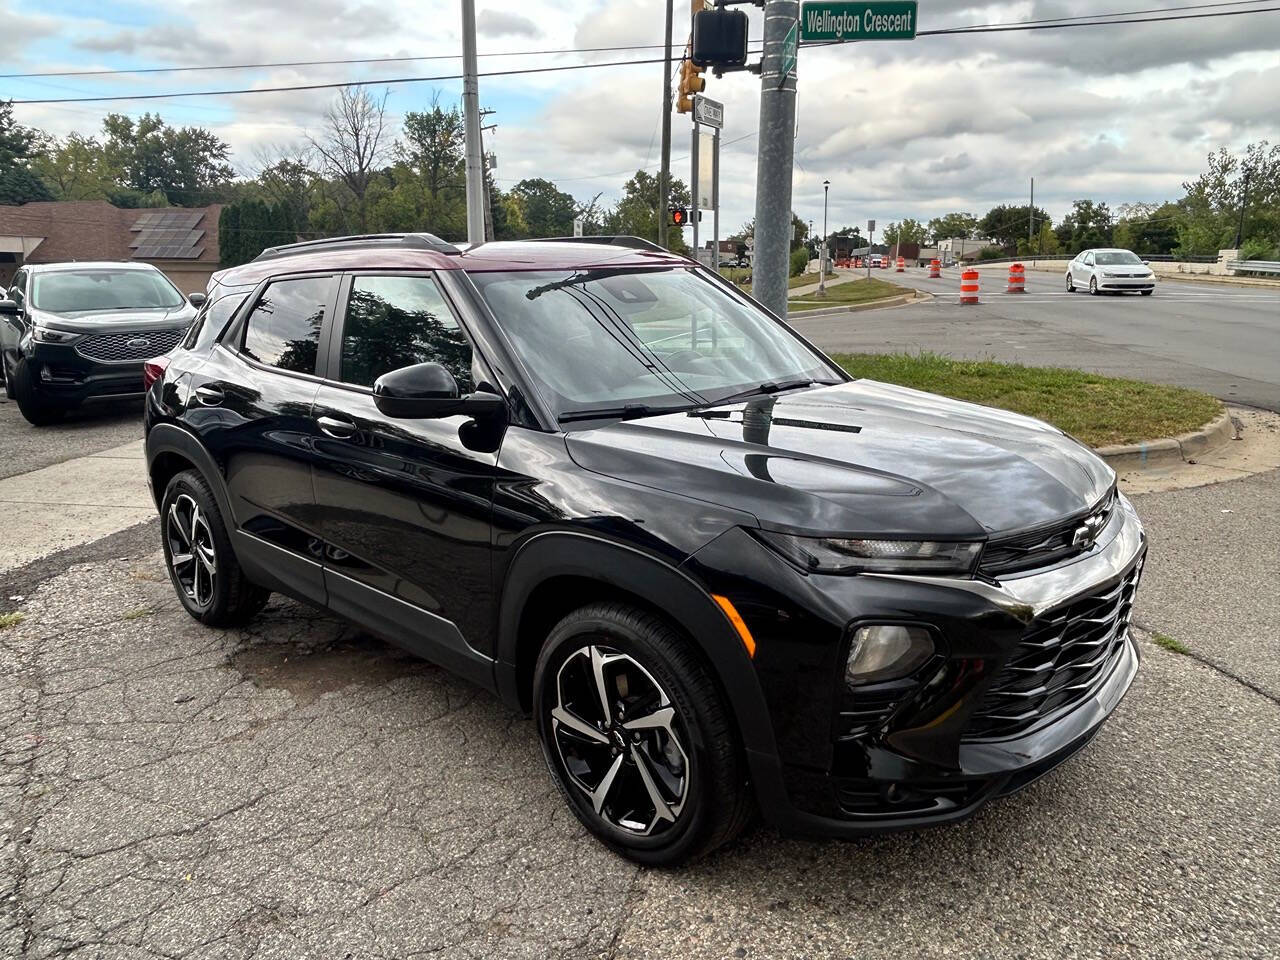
[(769, 386), (629, 411)]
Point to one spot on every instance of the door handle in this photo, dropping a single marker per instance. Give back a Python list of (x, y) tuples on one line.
[(210, 395), (336, 427)]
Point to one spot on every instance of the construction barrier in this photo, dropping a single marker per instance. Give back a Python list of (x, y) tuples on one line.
[(935, 269), (1017, 278), (969, 286), (902, 265)]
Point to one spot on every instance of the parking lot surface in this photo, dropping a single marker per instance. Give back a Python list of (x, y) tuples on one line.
[(298, 789)]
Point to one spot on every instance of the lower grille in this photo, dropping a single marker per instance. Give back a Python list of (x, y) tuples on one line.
[(867, 798), (1064, 657), (124, 347)]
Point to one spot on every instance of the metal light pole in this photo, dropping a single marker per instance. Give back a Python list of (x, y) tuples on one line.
[(775, 158), (664, 174), (822, 252), (471, 119)]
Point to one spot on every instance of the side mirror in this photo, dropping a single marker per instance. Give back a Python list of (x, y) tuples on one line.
[(196, 299), (1147, 262), (427, 391), (9, 307)]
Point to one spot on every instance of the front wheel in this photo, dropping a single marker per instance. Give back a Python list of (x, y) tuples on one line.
[(1093, 286), (1071, 283), (197, 550), (35, 409), (1146, 293), (637, 736)]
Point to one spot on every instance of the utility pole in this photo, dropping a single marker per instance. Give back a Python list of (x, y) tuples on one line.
[(1244, 203), (1031, 218), (664, 174), (471, 117), (822, 251), (488, 172), (775, 158)]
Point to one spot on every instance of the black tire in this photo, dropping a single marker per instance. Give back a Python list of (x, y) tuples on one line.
[(1146, 293), (20, 386), (225, 597), (1093, 286), (1071, 283), (716, 803)]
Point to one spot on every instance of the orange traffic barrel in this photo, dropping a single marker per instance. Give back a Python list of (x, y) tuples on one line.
[(1017, 278), (935, 269), (902, 265), (969, 286)]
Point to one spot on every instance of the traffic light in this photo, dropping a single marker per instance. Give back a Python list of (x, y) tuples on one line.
[(679, 216), (691, 82), (719, 38)]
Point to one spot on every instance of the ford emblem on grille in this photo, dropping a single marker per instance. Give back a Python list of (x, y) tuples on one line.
[(138, 343)]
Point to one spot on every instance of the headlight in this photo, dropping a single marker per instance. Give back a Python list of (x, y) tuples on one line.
[(849, 555), (886, 652), (46, 335), (1107, 273)]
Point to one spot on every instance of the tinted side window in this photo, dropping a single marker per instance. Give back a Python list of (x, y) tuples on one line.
[(17, 290), (284, 328), (209, 322), (395, 322)]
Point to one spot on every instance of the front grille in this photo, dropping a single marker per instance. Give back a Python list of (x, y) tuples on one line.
[(123, 347), (1045, 545), (1063, 658)]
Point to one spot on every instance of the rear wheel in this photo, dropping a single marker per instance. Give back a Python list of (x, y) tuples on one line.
[(637, 735), (37, 411), (197, 550)]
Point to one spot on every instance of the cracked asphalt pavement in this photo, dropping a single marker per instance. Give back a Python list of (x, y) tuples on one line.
[(298, 789)]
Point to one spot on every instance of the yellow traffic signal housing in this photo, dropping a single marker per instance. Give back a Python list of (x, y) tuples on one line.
[(691, 82)]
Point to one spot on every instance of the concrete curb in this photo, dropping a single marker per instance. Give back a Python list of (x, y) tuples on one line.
[(1170, 451), (904, 298)]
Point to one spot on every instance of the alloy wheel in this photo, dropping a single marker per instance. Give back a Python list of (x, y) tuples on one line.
[(1071, 287), (192, 555), (620, 740)]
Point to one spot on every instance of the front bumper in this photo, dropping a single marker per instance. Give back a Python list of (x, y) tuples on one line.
[(62, 375), (920, 761), (1126, 283)]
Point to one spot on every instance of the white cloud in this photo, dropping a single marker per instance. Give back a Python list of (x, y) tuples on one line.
[(503, 23)]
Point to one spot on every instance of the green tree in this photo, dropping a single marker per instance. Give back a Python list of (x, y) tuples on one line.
[(288, 182), (21, 149), (908, 231), (548, 211), (1089, 224), (351, 146), (1007, 224), (635, 216), (953, 225), (433, 148), (187, 164), (1213, 203), (76, 168)]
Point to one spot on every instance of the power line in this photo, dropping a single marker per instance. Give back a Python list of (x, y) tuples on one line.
[(980, 28)]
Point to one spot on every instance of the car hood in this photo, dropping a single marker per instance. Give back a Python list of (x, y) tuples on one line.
[(861, 457), (100, 321)]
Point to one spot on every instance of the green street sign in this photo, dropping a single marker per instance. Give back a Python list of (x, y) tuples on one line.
[(789, 46), (826, 20)]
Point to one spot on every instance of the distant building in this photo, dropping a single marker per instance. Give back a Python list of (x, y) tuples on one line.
[(961, 248), (181, 241)]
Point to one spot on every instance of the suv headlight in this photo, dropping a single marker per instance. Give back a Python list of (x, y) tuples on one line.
[(47, 335), (854, 555)]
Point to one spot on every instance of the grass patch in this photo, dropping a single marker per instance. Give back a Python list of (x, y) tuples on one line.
[(137, 614), (1169, 643), (739, 275), (851, 291), (1097, 410), (11, 619)]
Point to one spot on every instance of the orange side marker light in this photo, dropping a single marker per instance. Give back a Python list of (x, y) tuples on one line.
[(735, 618)]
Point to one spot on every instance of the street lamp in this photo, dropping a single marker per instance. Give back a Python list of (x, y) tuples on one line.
[(822, 252)]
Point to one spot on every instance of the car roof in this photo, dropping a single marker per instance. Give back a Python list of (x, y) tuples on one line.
[(506, 255), (1106, 250), (90, 265)]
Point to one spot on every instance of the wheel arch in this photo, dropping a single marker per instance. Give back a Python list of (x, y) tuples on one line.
[(170, 450), (554, 573)]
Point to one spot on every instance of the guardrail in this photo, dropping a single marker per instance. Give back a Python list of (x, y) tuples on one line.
[(1254, 266)]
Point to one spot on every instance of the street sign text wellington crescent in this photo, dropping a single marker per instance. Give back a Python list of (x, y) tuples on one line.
[(839, 20)]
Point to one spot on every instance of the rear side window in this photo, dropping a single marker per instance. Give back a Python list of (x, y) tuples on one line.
[(211, 320), (395, 322), (284, 328)]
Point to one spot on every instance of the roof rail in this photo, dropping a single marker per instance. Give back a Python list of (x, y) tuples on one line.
[(620, 240), (411, 241)]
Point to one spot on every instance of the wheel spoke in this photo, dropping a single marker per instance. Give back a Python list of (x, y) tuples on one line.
[(598, 660), (182, 559), (195, 520), (175, 524), (601, 793), (660, 719), (660, 808), (566, 719), (206, 556)]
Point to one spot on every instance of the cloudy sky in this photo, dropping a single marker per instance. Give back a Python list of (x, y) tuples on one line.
[(1119, 113)]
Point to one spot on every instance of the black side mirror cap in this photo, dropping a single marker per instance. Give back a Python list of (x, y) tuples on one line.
[(9, 307), (196, 299), (427, 391)]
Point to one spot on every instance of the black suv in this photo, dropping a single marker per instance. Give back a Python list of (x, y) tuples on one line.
[(598, 480), (71, 332)]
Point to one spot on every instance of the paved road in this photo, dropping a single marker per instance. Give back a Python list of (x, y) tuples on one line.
[(92, 429), (1222, 339)]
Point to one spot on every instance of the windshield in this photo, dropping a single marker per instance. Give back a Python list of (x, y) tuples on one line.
[(1113, 257), (67, 291), (642, 338)]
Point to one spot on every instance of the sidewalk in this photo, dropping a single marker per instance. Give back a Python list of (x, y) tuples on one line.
[(73, 503), (841, 276)]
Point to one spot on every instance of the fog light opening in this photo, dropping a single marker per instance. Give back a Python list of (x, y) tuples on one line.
[(886, 652)]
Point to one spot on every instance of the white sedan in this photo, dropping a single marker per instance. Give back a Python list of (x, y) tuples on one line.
[(1105, 269)]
